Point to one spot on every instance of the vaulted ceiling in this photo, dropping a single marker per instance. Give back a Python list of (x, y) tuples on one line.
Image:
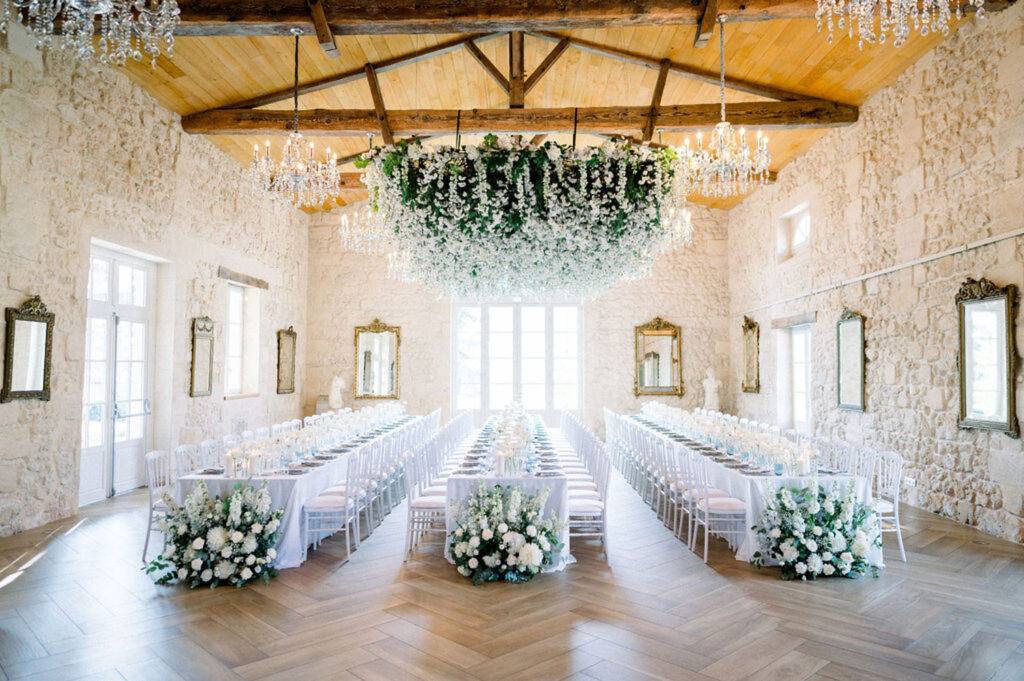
[(602, 67)]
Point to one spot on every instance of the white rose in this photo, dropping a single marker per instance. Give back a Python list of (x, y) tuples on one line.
[(487, 534), (182, 529), (800, 568), (775, 533), (816, 531), (196, 564), (846, 557), (257, 528), (168, 553), (474, 541), (250, 559), (811, 545), (463, 570), (207, 575), (828, 570), (182, 573), (245, 574), (458, 532), (502, 528), (226, 552), (237, 536), (473, 562), (827, 556), (198, 544), (531, 531), (271, 553)]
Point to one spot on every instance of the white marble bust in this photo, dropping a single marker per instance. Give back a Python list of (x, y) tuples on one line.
[(711, 385)]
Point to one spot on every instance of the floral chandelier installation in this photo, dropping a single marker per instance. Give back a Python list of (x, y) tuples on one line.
[(298, 178), (513, 218), (122, 29), (727, 166), (876, 20)]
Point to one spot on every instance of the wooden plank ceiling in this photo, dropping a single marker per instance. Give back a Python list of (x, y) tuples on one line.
[(789, 54)]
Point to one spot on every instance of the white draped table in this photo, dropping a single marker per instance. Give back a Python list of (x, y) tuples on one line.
[(289, 492), (459, 487)]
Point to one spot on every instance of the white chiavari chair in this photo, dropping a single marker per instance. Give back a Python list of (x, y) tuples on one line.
[(187, 459), (159, 473), (720, 515), (210, 453), (890, 478)]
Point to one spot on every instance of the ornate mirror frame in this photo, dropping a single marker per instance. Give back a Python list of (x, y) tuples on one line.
[(658, 327), (974, 290), (377, 326), (850, 317), (751, 350), (286, 342), (32, 310), (202, 330)]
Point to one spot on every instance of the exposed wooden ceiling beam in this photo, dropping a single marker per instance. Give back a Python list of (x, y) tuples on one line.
[(378, 105), (706, 25), (538, 139), (377, 17), (684, 70), (516, 70), (659, 90), (355, 74), (813, 113), (546, 65), (323, 30), (492, 70)]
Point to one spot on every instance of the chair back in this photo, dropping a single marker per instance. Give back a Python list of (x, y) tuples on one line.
[(159, 473), (890, 476), (262, 433), (187, 459), (210, 453)]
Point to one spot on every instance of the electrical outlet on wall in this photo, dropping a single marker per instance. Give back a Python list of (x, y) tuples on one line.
[(910, 482)]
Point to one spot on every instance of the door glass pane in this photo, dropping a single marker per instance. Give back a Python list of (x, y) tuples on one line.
[(533, 396), (99, 280), (124, 285), (139, 287), (467, 358)]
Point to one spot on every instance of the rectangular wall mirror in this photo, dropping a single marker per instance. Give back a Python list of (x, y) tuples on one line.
[(850, 357), (286, 361), (202, 357), (987, 358), (376, 361), (659, 366), (751, 376), (28, 350)]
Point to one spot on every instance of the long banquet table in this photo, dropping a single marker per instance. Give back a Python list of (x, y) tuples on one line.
[(459, 487), (287, 491), (752, 488)]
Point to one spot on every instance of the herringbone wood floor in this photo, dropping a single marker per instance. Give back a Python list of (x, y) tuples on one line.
[(73, 605)]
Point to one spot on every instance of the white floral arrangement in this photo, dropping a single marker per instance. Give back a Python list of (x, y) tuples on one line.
[(501, 536), (815, 533), (219, 541), (509, 217)]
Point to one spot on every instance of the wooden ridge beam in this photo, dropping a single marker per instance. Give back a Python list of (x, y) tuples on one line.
[(492, 70), (685, 70), (378, 105), (659, 90), (546, 65), (811, 113), (323, 30), (358, 73), (706, 25)]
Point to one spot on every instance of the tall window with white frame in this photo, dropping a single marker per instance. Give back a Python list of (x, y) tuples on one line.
[(508, 352), (793, 233), (800, 342), (242, 333)]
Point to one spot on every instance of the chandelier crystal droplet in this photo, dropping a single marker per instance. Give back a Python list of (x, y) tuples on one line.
[(877, 20), (726, 166), (111, 31), (298, 178)]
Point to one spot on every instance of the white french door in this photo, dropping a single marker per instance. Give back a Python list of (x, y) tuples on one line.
[(517, 352), (116, 414)]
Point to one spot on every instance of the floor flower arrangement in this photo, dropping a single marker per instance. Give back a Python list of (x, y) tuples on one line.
[(213, 541), (814, 532), (501, 535)]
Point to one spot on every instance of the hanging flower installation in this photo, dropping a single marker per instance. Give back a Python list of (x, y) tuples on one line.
[(510, 218)]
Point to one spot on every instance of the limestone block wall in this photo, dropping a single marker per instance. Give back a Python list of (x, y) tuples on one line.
[(935, 162), (85, 154), (688, 288)]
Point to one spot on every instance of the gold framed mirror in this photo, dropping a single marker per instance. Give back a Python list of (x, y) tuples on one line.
[(987, 356), (850, 361), (28, 352), (659, 366), (751, 338), (376, 361)]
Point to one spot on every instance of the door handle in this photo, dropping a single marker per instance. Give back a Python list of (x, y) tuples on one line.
[(146, 409)]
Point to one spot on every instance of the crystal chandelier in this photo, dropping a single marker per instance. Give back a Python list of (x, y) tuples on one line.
[(109, 30), (876, 20), (361, 230), (727, 166), (298, 178)]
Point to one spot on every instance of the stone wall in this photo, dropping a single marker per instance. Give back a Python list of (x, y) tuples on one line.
[(935, 162), (85, 154), (688, 288)]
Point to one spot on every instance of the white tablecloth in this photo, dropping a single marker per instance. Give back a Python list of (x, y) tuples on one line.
[(289, 492), (557, 506), (752, 488)]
